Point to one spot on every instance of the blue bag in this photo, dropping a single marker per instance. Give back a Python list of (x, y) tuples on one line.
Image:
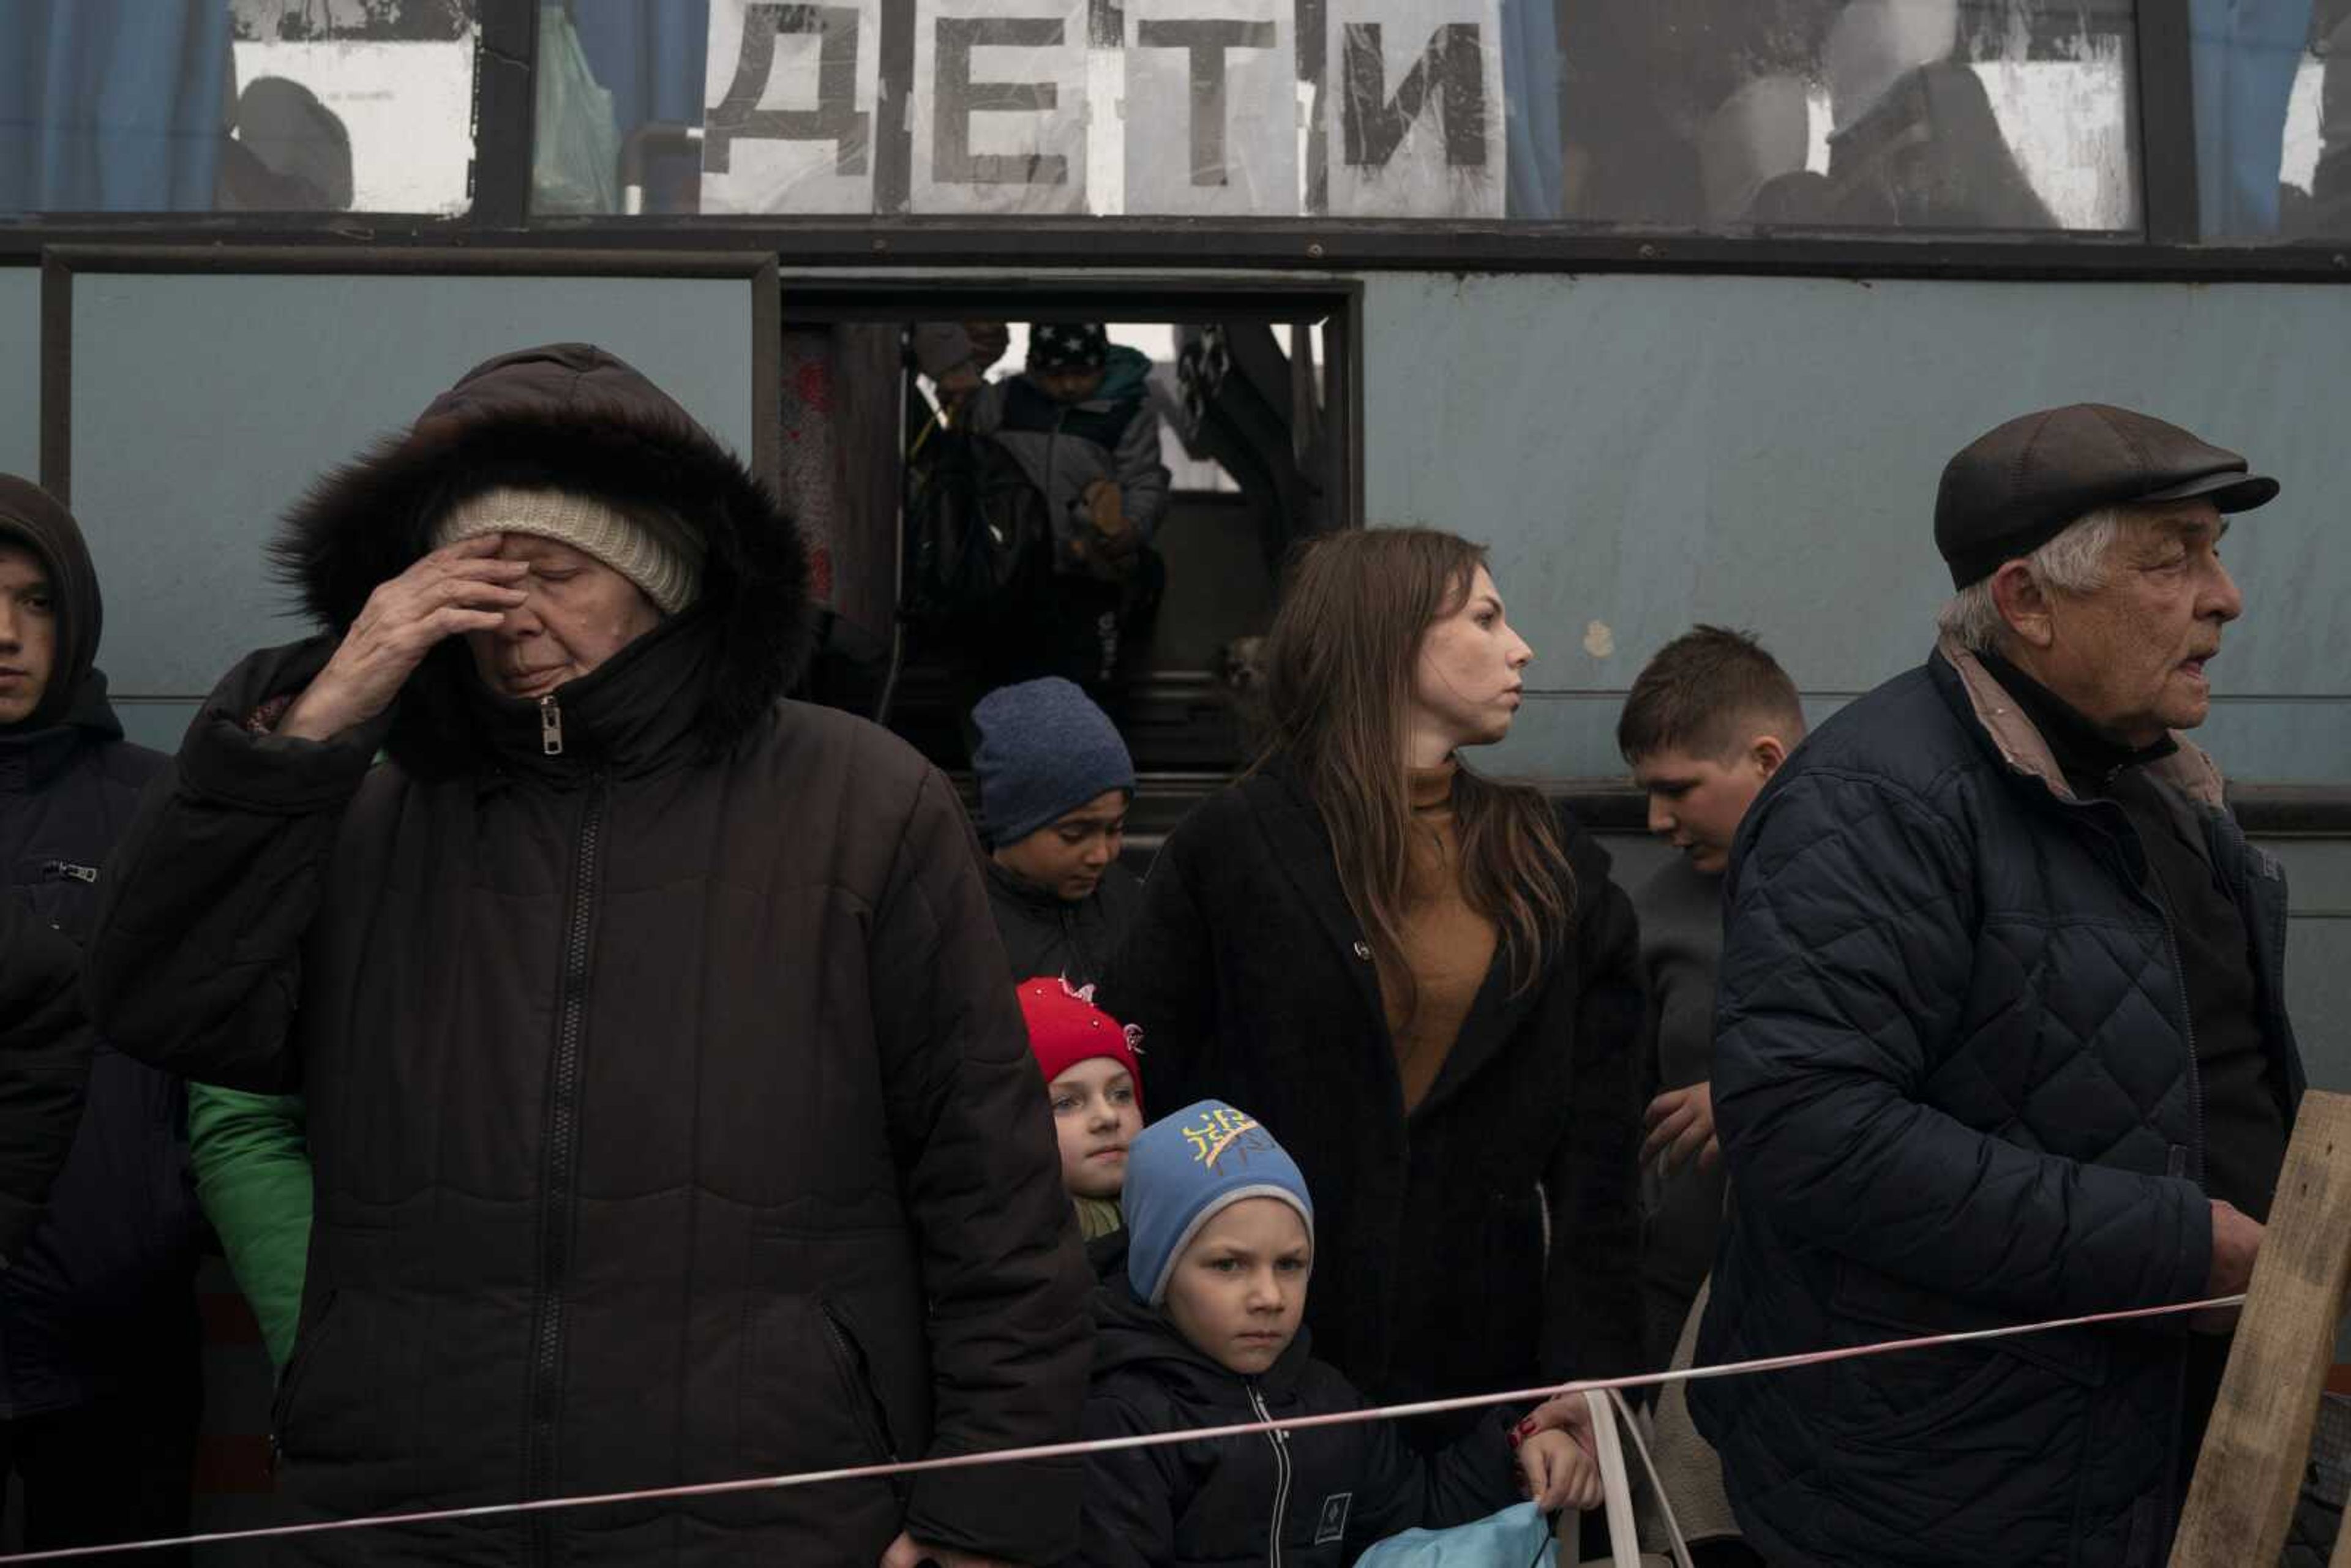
[(1517, 1537)]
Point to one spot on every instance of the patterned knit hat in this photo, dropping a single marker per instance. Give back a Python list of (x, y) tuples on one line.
[(1183, 1170), (666, 562), (1065, 1028), (1067, 346)]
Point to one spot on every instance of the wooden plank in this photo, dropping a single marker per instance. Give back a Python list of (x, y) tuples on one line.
[(2251, 1467)]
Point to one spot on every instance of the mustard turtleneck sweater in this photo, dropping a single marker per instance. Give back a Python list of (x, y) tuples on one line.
[(1447, 946)]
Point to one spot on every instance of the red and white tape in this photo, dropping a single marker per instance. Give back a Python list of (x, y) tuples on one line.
[(1108, 1445)]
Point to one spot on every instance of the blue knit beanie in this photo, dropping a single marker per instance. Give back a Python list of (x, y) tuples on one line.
[(1182, 1170), (1044, 751)]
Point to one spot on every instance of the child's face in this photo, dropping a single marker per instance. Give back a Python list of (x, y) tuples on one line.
[(1695, 803), (1068, 857), (1095, 1117), (1071, 385), (1240, 1286)]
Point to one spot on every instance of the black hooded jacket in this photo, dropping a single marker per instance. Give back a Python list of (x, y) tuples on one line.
[(44, 1067), (100, 1294), (1312, 1498), (672, 1120), (1045, 934)]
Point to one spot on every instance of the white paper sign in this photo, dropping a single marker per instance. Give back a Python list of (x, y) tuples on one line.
[(1212, 107), (1414, 90), (788, 99), (999, 106)]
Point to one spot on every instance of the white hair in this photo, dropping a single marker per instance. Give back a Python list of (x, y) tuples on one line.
[(2074, 563)]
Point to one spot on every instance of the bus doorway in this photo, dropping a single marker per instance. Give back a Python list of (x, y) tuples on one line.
[(999, 518)]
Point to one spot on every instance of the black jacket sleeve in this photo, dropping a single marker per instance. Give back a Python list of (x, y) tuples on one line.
[(1592, 1303), (1403, 1488), (973, 1140), (45, 1044), (197, 962), (1849, 955), (1133, 1496)]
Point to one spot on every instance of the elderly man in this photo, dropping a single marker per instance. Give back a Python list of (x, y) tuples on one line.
[(671, 1114), (2001, 1037)]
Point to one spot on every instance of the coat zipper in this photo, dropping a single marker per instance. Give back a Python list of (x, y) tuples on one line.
[(2154, 900), (1280, 1442), (550, 726), (2187, 1031), (560, 1169)]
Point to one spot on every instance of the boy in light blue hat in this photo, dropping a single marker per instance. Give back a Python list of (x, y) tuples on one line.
[(1202, 1328)]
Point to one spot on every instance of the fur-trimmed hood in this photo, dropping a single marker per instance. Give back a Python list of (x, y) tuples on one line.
[(570, 417)]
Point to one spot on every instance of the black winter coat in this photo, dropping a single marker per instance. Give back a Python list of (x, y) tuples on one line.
[(102, 1297), (1045, 934), (1489, 1239), (44, 1067), (1956, 1087), (1312, 1498), (671, 1116)]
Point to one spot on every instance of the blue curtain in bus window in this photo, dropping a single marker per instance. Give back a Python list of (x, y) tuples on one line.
[(1530, 100), (2244, 54), (112, 105), (648, 54)]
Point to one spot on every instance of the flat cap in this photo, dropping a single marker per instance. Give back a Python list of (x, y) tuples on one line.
[(2020, 485)]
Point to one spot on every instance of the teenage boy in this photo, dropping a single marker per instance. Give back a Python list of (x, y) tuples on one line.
[(1707, 722)]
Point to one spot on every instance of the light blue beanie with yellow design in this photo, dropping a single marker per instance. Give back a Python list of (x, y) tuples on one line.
[(1185, 1169)]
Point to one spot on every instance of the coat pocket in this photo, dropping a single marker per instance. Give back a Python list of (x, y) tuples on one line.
[(808, 1398), (313, 1341), (858, 1389), (1922, 1394)]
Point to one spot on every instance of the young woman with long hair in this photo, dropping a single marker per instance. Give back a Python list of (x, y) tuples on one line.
[(1420, 979)]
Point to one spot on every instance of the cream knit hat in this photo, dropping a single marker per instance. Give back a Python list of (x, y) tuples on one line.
[(665, 562)]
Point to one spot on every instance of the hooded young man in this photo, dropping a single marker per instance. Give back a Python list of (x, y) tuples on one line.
[(671, 1119), (100, 1382)]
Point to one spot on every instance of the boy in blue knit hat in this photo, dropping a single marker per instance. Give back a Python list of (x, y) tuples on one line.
[(1202, 1329), (1055, 780)]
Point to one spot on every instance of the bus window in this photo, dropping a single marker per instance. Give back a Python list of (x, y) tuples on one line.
[(252, 106), (2003, 115), (2273, 96)]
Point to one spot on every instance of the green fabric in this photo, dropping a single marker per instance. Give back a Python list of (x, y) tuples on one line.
[(1097, 1217), (253, 1177)]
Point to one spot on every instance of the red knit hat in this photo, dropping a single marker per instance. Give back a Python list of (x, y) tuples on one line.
[(1065, 1028)]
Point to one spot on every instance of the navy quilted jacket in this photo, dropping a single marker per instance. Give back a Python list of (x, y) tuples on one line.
[(1956, 1087)]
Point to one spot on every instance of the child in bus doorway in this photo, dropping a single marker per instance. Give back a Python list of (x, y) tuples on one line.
[(1201, 1327), (1055, 780), (1088, 1060), (1079, 426)]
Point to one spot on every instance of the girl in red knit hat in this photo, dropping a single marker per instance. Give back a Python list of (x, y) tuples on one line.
[(1088, 1060)]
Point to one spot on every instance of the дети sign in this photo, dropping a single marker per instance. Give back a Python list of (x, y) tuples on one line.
[(1193, 108)]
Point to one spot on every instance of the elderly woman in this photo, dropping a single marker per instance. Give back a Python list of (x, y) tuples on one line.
[(672, 1117)]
